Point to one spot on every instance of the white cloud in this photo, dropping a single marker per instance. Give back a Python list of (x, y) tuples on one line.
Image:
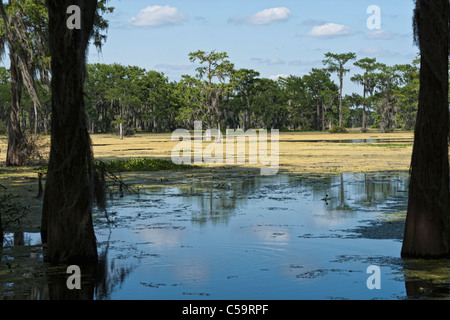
[(376, 51), (301, 62), (157, 16), (264, 17), (269, 61), (168, 66), (329, 30), (278, 76), (380, 34)]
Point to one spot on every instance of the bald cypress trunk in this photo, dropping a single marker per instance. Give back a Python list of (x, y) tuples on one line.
[(67, 225), (16, 154), (427, 229)]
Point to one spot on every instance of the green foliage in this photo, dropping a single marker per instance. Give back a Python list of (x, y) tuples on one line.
[(144, 164), (218, 94)]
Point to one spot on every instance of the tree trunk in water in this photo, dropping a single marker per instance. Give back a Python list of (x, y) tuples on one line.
[(67, 217), (427, 223), (17, 148)]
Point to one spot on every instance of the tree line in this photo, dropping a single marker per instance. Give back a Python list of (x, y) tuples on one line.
[(129, 99)]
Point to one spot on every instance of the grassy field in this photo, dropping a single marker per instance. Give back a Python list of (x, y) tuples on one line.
[(298, 152)]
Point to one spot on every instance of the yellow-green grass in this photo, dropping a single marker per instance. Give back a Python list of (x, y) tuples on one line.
[(313, 154)]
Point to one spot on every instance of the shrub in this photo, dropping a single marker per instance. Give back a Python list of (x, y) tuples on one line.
[(338, 129), (144, 164)]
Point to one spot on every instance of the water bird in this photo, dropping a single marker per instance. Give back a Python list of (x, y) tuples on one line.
[(326, 198)]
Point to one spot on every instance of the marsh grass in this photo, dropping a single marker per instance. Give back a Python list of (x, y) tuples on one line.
[(317, 152)]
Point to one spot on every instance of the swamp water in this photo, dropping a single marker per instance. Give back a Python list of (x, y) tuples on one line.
[(242, 236)]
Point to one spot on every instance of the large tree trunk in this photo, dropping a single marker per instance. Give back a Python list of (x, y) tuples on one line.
[(17, 153), (427, 229), (67, 217)]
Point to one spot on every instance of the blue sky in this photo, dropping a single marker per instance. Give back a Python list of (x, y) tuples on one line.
[(271, 36)]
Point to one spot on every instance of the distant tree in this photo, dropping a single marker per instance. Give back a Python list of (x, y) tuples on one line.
[(67, 225), (406, 94), (244, 84), (355, 101), (158, 109), (213, 65), (323, 92), (367, 80), (125, 92), (270, 106), (335, 63), (427, 228), (301, 107), (387, 108), (190, 100)]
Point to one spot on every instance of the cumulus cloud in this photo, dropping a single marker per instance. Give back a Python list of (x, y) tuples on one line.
[(268, 61), (301, 62), (329, 30), (157, 16), (264, 17), (169, 66), (380, 34), (278, 76), (376, 51)]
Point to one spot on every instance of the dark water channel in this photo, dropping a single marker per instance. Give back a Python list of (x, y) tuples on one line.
[(252, 237)]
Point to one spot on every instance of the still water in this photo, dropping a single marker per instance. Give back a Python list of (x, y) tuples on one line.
[(246, 237)]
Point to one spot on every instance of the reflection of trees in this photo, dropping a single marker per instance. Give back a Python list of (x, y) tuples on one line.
[(43, 282), (108, 276), (99, 281), (216, 200), (20, 263), (357, 191), (340, 192)]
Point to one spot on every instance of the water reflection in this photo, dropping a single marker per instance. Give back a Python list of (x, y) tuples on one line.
[(350, 192), (233, 237), (24, 275)]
